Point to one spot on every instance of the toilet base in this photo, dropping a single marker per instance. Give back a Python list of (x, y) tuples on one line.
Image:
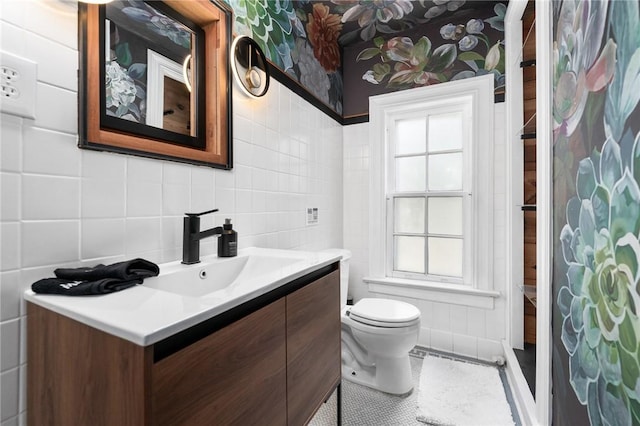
[(390, 375)]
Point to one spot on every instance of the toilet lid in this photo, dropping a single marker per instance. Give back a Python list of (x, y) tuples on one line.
[(384, 312)]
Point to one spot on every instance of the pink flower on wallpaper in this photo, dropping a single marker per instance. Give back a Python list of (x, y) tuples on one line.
[(323, 30), (580, 66)]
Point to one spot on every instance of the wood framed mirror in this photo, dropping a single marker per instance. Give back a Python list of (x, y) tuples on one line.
[(155, 79)]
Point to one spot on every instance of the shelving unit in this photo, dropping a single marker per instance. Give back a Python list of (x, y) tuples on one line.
[(528, 137)]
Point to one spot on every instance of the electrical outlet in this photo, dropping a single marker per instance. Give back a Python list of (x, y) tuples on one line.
[(9, 74), (9, 91), (17, 85)]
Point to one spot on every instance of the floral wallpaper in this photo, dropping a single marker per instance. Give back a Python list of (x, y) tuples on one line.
[(596, 154), (314, 43), (466, 44), (301, 39)]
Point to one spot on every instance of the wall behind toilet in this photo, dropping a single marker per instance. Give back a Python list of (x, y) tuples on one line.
[(66, 206), (449, 327)]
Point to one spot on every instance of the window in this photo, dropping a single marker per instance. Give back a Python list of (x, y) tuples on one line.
[(431, 209), (428, 193)]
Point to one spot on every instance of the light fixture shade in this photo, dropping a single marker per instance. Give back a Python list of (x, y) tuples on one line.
[(249, 67), (96, 1)]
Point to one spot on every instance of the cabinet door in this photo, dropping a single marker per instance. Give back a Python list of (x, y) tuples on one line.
[(235, 376), (313, 346), (78, 375)]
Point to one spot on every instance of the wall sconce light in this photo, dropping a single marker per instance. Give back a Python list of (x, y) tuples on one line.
[(249, 67)]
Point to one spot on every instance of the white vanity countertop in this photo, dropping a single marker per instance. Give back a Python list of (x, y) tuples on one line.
[(145, 315)]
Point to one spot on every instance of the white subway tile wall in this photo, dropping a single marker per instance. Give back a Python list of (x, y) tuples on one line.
[(448, 327), (356, 205), (62, 206)]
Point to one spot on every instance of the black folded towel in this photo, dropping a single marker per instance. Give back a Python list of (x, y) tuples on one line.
[(82, 288), (127, 270), (100, 279)]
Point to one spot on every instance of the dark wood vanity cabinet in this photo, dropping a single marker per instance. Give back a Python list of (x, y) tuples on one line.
[(236, 375), (313, 347), (77, 375), (274, 362)]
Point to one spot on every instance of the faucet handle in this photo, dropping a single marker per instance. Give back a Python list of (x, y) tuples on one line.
[(200, 214)]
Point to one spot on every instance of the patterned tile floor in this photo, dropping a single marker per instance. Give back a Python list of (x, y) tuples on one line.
[(362, 406)]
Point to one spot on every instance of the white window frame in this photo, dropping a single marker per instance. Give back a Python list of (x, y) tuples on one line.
[(477, 286), (462, 105)]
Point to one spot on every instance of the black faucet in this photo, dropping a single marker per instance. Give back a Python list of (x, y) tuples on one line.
[(192, 236)]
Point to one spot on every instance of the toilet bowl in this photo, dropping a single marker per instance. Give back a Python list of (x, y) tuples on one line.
[(377, 335)]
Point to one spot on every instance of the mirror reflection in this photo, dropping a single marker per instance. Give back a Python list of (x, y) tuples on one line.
[(148, 67)]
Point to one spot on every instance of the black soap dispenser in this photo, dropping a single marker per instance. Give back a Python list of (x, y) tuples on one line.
[(228, 241)]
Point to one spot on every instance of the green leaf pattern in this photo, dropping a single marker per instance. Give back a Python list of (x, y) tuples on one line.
[(421, 63), (599, 298)]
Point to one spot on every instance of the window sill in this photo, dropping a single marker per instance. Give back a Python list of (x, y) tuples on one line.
[(456, 294)]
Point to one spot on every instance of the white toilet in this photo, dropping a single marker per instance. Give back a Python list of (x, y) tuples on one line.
[(377, 335)]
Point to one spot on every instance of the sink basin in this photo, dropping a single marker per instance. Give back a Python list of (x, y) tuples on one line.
[(217, 274), (183, 296)]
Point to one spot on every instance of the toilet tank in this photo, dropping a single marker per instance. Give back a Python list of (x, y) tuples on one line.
[(344, 272)]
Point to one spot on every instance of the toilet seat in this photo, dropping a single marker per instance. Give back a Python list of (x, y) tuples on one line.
[(384, 313)]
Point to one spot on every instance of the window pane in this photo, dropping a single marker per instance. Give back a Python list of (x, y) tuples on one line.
[(409, 254), (445, 256), (409, 215), (411, 136), (445, 215), (445, 131), (445, 172), (410, 174)]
